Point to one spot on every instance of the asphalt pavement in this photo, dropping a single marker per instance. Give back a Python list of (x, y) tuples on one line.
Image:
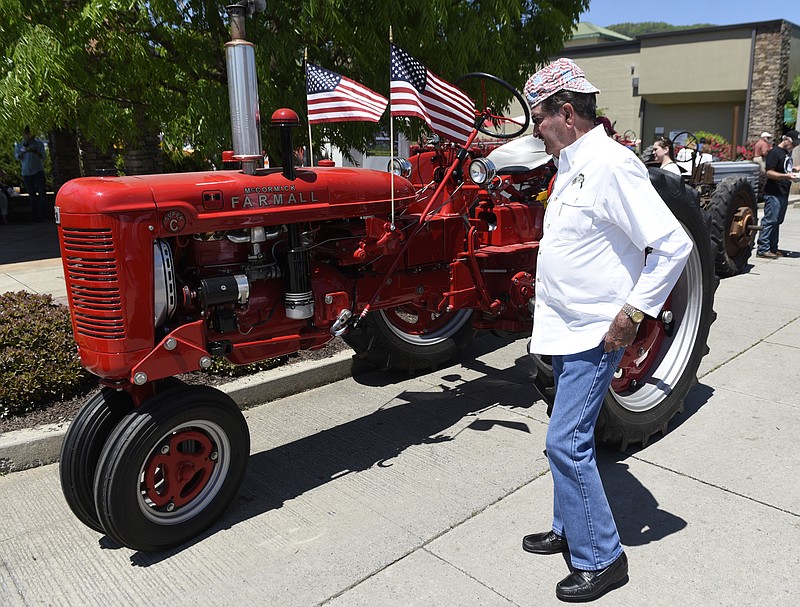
[(383, 490)]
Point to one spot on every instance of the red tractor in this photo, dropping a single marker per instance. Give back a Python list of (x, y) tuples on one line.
[(165, 272)]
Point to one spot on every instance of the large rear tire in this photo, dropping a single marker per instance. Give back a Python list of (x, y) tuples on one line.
[(410, 338), (171, 467), (635, 411), (734, 214)]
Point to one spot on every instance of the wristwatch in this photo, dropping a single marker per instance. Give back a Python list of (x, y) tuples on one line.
[(635, 315)]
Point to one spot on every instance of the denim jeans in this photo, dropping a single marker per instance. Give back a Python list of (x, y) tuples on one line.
[(774, 214), (580, 508), (35, 186)]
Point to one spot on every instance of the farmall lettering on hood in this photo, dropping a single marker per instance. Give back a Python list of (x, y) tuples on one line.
[(272, 196)]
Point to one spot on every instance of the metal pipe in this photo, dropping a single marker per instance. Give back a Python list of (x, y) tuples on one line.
[(237, 14), (243, 94)]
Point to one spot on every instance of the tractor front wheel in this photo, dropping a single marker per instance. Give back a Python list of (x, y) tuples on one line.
[(83, 443), (171, 467)]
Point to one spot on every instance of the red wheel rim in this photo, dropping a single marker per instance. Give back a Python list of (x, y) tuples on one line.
[(641, 355), (179, 469)]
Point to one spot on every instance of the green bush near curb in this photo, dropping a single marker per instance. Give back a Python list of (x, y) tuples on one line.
[(38, 358), (39, 362)]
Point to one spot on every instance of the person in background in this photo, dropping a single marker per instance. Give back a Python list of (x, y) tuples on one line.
[(3, 206), (762, 148), (664, 152), (606, 125), (30, 152), (780, 173), (594, 285)]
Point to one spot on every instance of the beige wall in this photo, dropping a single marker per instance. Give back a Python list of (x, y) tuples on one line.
[(676, 69), (710, 117), (612, 75)]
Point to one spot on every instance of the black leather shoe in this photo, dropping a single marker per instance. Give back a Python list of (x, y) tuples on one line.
[(588, 585), (544, 543)]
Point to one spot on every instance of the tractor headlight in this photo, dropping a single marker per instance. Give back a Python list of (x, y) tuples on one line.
[(400, 166), (482, 171)]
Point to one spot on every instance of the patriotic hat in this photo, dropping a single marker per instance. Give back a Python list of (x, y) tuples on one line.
[(561, 75)]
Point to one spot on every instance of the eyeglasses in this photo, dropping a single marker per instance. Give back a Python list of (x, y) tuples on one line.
[(537, 120)]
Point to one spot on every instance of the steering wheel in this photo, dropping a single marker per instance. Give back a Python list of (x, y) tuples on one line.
[(689, 139), (489, 121)]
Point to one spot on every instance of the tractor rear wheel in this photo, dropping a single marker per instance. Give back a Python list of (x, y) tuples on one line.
[(409, 338), (734, 215), (171, 467), (660, 367)]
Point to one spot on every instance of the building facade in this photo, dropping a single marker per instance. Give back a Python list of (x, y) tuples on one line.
[(731, 80)]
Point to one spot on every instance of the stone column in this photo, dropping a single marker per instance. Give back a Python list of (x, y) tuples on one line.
[(143, 156), (97, 161), (769, 79)]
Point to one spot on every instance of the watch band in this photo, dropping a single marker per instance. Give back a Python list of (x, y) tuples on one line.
[(635, 315)]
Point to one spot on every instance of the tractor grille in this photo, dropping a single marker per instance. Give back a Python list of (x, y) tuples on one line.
[(92, 278)]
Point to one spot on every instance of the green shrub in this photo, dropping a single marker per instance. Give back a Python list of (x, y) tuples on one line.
[(38, 358), (221, 367), (39, 363)]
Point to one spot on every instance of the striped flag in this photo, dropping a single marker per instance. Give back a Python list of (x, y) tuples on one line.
[(416, 91), (334, 98)]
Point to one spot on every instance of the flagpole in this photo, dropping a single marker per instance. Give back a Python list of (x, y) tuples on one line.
[(391, 127), (310, 144)]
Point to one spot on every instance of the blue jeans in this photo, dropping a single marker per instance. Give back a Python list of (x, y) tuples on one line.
[(35, 186), (774, 214), (580, 508)]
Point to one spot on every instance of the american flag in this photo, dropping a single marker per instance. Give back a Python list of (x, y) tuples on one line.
[(416, 91), (334, 98)]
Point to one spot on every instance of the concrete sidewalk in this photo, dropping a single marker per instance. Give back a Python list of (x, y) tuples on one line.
[(30, 259), (383, 490)]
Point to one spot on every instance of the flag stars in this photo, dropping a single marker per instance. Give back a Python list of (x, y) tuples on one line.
[(405, 67), (321, 80)]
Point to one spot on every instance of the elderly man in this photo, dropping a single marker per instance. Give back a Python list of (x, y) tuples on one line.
[(594, 285)]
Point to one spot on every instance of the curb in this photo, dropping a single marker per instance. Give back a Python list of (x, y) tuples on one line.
[(33, 447)]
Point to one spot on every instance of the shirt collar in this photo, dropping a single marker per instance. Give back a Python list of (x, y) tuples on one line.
[(569, 154)]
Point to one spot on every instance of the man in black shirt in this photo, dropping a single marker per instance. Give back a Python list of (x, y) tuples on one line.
[(780, 174)]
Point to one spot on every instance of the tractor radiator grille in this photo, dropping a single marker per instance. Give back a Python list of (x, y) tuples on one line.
[(93, 281)]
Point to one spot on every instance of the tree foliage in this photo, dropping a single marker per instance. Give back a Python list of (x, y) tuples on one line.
[(104, 66), (652, 27)]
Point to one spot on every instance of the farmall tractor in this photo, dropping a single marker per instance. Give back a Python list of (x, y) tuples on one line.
[(165, 272)]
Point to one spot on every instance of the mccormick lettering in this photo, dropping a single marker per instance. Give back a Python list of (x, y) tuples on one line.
[(266, 189)]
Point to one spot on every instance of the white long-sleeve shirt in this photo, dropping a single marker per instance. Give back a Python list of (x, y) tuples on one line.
[(601, 216)]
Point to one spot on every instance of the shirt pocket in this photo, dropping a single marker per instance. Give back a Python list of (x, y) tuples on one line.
[(576, 215)]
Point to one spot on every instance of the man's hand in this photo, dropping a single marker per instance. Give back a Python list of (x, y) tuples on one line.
[(621, 332)]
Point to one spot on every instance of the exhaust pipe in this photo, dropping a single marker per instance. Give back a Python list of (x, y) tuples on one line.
[(243, 89)]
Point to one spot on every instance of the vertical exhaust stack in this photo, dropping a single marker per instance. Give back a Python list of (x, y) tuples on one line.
[(243, 88)]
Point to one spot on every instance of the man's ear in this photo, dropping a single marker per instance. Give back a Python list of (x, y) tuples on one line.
[(569, 114)]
